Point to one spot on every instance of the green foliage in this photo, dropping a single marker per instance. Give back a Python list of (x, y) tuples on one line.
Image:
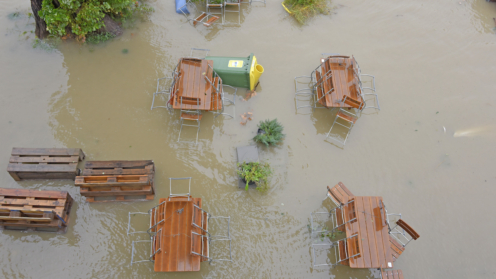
[(273, 132), (255, 172), (99, 38), (85, 16), (303, 9)]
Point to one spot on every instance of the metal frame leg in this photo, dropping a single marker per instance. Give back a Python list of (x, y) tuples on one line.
[(224, 99)]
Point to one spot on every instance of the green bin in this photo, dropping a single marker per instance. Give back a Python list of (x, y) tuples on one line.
[(237, 71)]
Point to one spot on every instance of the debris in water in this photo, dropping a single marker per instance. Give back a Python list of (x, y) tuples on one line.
[(13, 15), (444, 129), (250, 94), (282, 203), (246, 117), (125, 50)]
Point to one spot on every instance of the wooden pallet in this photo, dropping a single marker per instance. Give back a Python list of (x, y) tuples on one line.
[(117, 181), (120, 187), (33, 210), (92, 168), (44, 163)]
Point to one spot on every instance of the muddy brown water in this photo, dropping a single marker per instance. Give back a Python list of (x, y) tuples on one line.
[(429, 151)]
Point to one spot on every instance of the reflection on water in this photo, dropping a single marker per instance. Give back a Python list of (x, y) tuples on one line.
[(433, 67)]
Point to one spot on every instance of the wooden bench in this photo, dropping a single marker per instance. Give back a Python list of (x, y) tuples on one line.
[(396, 248), (122, 180), (22, 209), (339, 194), (189, 116), (392, 274), (44, 163)]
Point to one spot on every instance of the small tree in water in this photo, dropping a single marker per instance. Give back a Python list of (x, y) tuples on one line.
[(79, 18), (303, 9)]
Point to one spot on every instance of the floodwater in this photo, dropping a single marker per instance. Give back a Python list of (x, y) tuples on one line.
[(429, 151)]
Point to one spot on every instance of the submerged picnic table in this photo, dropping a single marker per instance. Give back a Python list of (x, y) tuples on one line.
[(175, 238), (372, 230), (193, 88), (338, 78)]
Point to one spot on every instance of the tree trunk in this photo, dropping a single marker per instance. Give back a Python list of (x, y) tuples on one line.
[(41, 27)]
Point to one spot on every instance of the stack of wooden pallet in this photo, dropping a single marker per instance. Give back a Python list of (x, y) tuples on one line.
[(44, 163), (34, 210), (103, 181)]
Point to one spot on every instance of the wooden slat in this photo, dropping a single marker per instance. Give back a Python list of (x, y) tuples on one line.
[(43, 159), (392, 274), (17, 151), (382, 232), (117, 191), (108, 181), (14, 201), (369, 232), (33, 193), (402, 224), (199, 18), (117, 164), (42, 168), (365, 258)]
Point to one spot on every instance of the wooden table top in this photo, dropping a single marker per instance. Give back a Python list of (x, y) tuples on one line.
[(343, 79), (372, 230), (175, 242), (192, 86)]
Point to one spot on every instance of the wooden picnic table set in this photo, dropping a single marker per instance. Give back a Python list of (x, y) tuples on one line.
[(337, 83), (370, 240)]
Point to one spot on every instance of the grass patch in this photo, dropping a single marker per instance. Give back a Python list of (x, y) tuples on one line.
[(302, 10)]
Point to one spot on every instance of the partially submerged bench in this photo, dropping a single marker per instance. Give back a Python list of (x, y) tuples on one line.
[(117, 181), (22, 209), (392, 274), (44, 163)]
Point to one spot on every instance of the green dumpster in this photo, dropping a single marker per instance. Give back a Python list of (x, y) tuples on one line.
[(238, 71)]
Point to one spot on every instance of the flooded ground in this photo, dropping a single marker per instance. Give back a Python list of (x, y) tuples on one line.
[(429, 151)]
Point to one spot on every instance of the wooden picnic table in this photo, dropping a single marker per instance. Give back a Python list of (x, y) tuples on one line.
[(192, 90), (343, 81), (372, 230), (176, 240)]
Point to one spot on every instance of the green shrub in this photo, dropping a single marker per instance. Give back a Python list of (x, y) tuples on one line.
[(255, 172), (303, 9), (272, 132), (85, 16)]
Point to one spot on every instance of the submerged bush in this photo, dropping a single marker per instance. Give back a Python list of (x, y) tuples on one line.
[(271, 132), (83, 17), (304, 9)]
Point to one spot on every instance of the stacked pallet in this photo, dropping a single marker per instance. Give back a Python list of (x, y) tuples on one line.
[(104, 181), (30, 210), (44, 163)]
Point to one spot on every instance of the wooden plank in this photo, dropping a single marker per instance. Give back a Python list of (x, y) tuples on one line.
[(109, 181), (94, 172), (361, 229), (19, 168), (369, 232), (402, 224), (146, 190), (375, 240), (159, 255), (43, 159), (17, 151), (33, 193), (173, 254), (118, 164), (13, 201), (382, 234)]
